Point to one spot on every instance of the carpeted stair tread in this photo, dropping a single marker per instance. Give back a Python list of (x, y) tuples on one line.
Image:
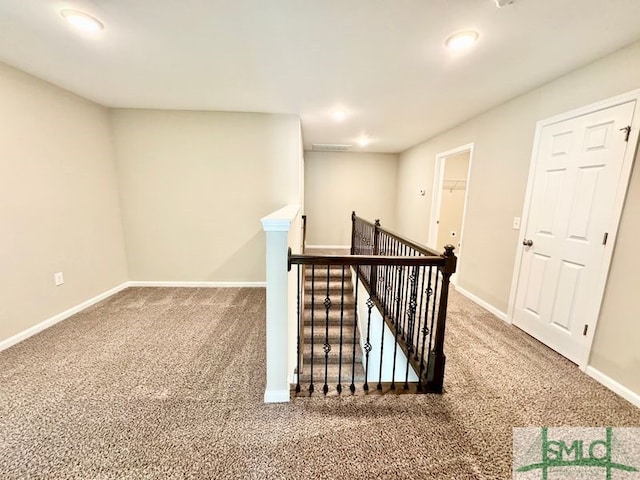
[(332, 376), (321, 273), (320, 318), (335, 286), (347, 349), (319, 334), (336, 298)]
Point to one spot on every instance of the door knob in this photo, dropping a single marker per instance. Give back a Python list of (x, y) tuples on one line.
[(527, 243)]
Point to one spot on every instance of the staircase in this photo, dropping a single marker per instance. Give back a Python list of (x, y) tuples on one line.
[(344, 357)]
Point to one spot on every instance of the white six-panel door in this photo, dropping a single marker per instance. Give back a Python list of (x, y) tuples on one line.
[(577, 172)]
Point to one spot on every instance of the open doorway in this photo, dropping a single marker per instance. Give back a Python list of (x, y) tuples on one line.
[(448, 206)]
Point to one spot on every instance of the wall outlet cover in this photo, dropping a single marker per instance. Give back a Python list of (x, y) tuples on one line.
[(58, 278)]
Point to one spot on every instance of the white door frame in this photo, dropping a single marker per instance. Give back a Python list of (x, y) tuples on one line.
[(436, 198), (621, 192)]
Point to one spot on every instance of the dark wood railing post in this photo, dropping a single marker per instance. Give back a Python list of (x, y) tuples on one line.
[(373, 280), (304, 234), (435, 374), (353, 232)]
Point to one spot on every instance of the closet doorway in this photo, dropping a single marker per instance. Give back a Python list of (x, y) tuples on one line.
[(448, 205)]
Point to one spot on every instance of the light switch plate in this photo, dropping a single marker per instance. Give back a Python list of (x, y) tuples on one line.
[(516, 223)]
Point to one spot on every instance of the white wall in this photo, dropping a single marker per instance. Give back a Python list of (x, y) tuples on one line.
[(59, 208), (338, 183), (386, 343), (503, 140), (194, 186)]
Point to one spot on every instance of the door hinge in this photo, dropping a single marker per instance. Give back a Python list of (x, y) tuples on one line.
[(605, 237), (584, 331), (628, 130)]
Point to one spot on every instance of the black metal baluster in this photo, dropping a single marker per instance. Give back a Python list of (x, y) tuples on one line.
[(379, 271), (407, 299), (395, 346), (327, 346), (339, 387), (352, 387), (382, 291), (411, 320), (385, 311), (425, 328), (394, 290), (313, 315), (413, 305), (403, 298), (433, 318), (367, 345), (422, 294), (389, 292), (373, 269), (400, 310), (299, 321), (379, 386), (383, 277), (402, 307)]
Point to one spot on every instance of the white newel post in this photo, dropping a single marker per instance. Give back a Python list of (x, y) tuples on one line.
[(276, 227)]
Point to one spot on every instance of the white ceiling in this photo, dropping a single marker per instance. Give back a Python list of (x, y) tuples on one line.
[(381, 60)]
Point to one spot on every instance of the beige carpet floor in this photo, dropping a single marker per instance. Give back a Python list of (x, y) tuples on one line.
[(168, 383)]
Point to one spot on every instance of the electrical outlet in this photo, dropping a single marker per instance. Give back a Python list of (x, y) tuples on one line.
[(58, 278), (516, 223)]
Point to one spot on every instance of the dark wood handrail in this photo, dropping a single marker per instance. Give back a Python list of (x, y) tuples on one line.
[(365, 260), (429, 252)]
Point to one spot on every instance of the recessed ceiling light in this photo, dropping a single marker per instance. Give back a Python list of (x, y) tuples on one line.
[(82, 21), (364, 140), (462, 40), (338, 115)]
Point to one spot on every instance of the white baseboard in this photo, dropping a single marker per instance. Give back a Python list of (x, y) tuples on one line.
[(9, 342), (137, 283), (276, 396), (332, 247), (487, 306), (614, 386)]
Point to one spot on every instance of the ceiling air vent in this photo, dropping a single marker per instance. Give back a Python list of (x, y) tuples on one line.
[(330, 147)]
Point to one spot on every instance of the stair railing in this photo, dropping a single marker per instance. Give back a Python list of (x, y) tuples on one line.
[(408, 284), (400, 292)]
